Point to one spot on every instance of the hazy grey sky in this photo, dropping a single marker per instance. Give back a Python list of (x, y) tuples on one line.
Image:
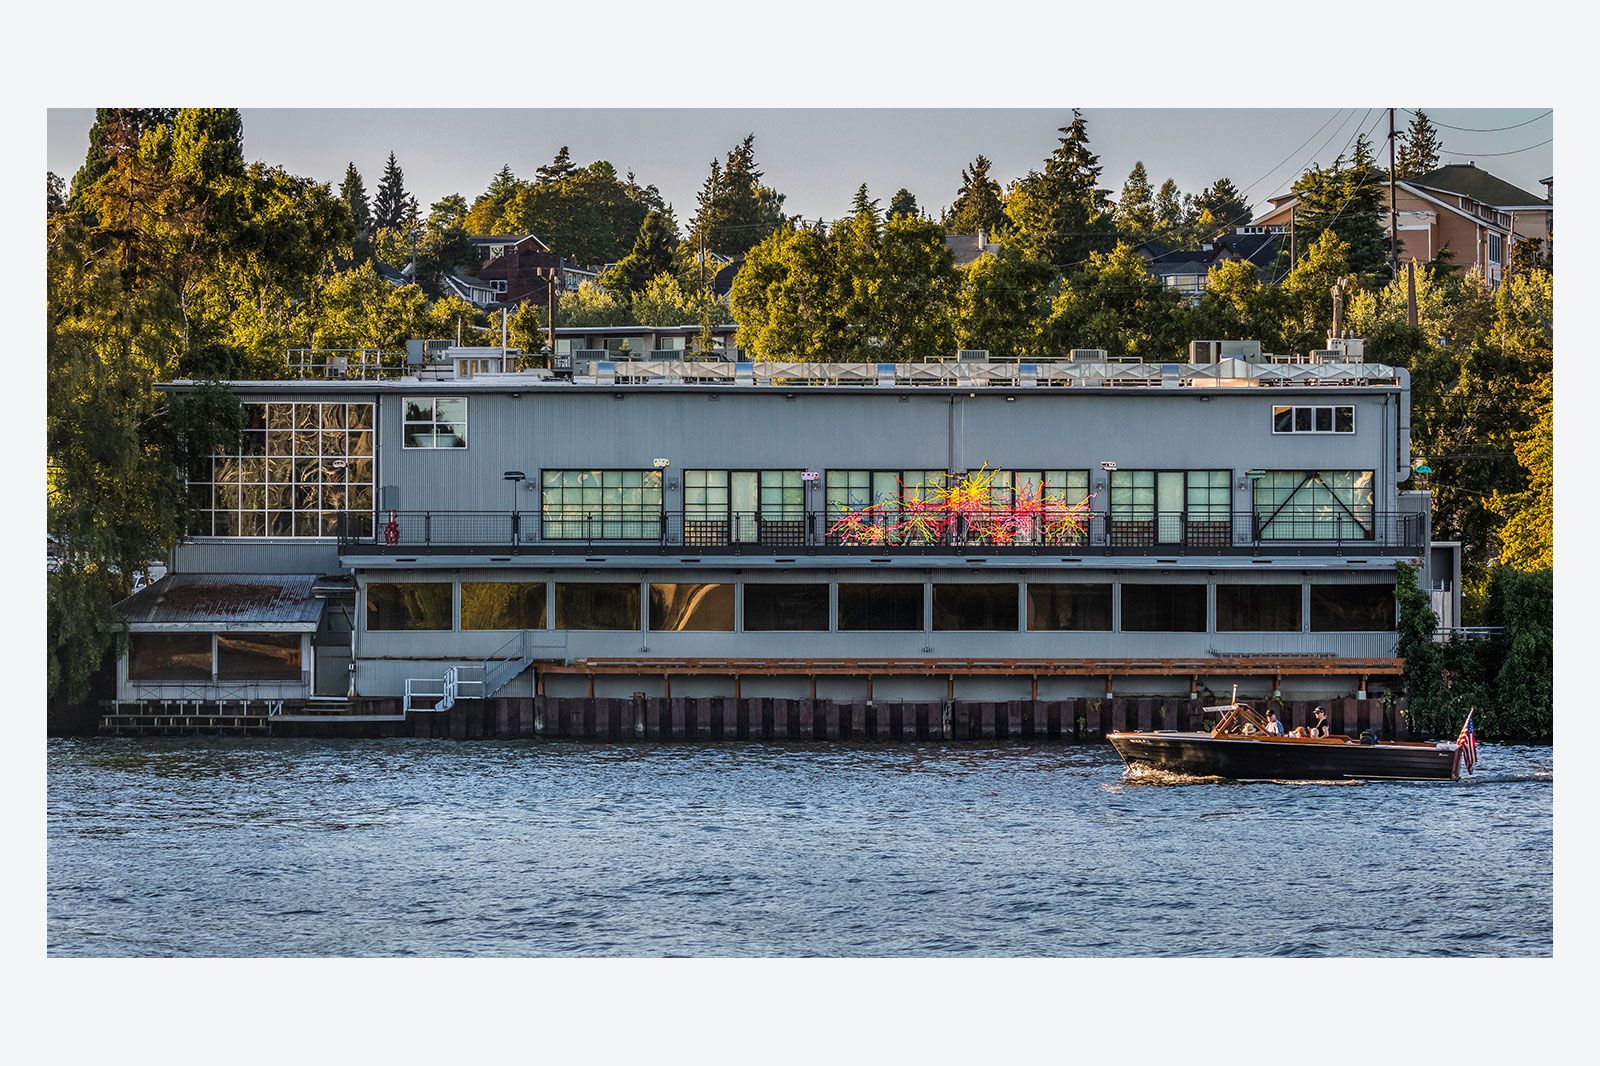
[(818, 157)]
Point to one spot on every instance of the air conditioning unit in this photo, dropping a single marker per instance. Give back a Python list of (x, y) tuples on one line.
[(1090, 355), (1204, 351), (1249, 351), (972, 355)]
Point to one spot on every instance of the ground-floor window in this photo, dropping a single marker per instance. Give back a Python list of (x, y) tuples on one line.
[(785, 607), (593, 605), (1056, 606), (1164, 608), (409, 605), (874, 606), (975, 607), (258, 656), (1352, 608), (691, 607), (169, 657), (502, 605), (1258, 608)]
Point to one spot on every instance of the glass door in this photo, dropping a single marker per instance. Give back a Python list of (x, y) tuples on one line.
[(744, 500), (1169, 506)]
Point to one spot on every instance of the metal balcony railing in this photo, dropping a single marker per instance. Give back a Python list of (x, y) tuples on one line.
[(641, 531)]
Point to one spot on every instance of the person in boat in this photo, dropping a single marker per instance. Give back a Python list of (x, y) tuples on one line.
[(1274, 726), (1299, 731), (1319, 726)]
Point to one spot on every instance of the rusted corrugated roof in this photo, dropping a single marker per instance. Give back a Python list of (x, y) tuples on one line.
[(191, 599)]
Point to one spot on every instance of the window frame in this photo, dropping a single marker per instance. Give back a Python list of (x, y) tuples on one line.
[(433, 422), (1333, 416), (606, 514)]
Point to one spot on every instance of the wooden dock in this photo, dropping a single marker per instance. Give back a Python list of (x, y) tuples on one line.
[(721, 718)]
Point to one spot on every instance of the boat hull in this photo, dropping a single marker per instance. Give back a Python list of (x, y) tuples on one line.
[(1261, 759)]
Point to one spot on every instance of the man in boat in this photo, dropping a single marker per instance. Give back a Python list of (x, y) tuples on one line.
[(1319, 727), (1274, 726)]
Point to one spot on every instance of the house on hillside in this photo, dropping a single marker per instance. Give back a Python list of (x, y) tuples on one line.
[(1185, 270), (967, 247), (513, 269), (1457, 208)]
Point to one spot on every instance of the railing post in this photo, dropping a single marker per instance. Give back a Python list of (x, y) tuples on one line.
[(427, 527)]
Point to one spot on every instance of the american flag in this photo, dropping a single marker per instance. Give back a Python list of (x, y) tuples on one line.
[(1467, 744)]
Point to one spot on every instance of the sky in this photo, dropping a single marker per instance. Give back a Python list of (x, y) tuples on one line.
[(817, 158)]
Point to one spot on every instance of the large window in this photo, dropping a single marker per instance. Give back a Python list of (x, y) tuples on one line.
[(1069, 606), (744, 507), (409, 605), (785, 607), (436, 422), (975, 607), (1309, 419), (1163, 608), (1067, 486), (1352, 608), (705, 608), (590, 605), (1170, 507), (298, 470), (258, 656), (502, 605), (1258, 608), (169, 657), (851, 490), (602, 504), (869, 605), (1314, 505)]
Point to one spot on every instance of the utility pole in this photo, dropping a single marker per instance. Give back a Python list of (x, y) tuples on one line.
[(1394, 222)]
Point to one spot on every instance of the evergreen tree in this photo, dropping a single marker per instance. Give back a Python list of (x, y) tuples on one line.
[(389, 205), (410, 214), (558, 168), (1217, 209), (863, 204), (54, 194), (903, 203), (977, 205), (734, 211), (353, 194), (1060, 214), (1136, 210), (1169, 208), (1418, 152), (1348, 199), (653, 253), (116, 132), (490, 208)]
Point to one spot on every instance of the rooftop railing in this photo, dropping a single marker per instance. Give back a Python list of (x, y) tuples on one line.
[(646, 532)]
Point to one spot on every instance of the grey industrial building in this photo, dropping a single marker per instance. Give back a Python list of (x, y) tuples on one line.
[(455, 526)]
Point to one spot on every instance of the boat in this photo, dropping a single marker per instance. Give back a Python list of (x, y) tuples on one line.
[(1242, 747)]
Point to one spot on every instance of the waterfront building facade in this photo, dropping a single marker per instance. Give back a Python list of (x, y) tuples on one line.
[(946, 530)]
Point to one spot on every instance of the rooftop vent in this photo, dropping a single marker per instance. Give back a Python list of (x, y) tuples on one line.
[(972, 355), (1090, 355)]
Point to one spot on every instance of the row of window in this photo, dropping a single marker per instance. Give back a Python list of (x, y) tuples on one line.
[(1332, 419), (223, 656), (878, 607)]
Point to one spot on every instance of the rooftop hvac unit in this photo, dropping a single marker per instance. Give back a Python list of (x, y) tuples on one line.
[(1204, 351), (1249, 351), (1090, 355), (972, 355)]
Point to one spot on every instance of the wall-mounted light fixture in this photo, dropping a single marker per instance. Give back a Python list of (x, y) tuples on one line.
[(661, 464)]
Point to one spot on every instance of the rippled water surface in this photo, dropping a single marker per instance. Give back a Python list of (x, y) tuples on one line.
[(194, 846)]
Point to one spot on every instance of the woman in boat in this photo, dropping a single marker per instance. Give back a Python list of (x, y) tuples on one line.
[(1274, 726), (1319, 727)]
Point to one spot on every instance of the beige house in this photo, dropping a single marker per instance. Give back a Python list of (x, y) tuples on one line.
[(1460, 208)]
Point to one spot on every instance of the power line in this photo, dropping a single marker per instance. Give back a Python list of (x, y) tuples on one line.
[(1488, 129), (1492, 155)]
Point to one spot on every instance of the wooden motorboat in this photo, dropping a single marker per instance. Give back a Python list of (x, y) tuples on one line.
[(1243, 747)]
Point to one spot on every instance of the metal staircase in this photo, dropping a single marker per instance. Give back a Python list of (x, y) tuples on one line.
[(494, 671)]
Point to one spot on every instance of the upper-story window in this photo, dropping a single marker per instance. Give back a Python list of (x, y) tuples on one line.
[(1011, 486), (743, 506), (1170, 507), (439, 422), (601, 504), (1494, 247), (1334, 419), (298, 470), (851, 490), (1314, 505)]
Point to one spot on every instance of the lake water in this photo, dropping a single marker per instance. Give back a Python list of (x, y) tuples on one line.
[(197, 846)]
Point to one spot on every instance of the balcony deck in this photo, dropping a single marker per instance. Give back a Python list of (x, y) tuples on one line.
[(1387, 534)]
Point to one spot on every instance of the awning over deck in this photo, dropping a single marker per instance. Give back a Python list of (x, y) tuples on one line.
[(282, 603)]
